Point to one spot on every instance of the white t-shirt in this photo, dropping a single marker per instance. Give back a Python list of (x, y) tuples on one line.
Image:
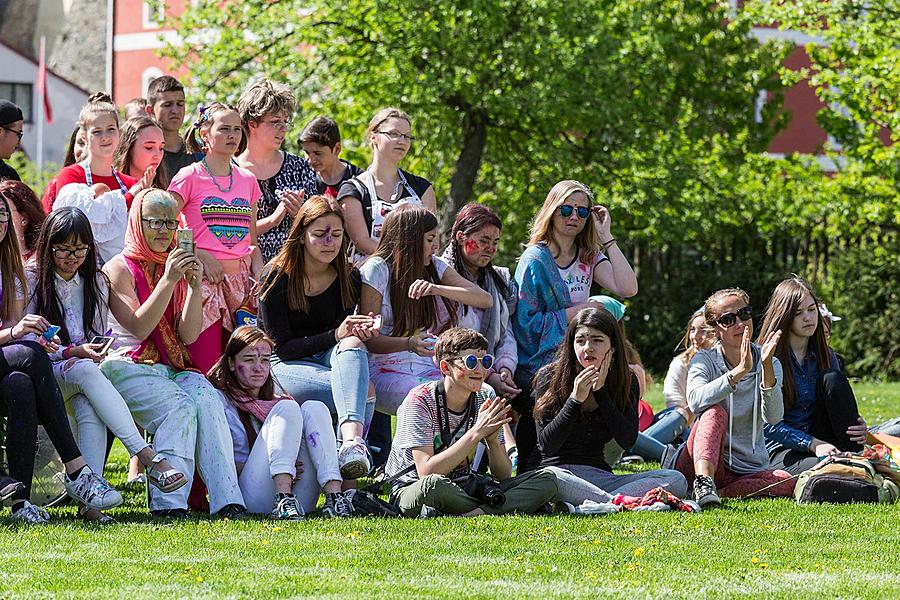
[(579, 276), (376, 273)]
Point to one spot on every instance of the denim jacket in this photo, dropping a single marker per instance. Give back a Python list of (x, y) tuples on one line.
[(791, 432)]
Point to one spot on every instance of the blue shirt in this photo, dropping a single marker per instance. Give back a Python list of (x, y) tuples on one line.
[(791, 432)]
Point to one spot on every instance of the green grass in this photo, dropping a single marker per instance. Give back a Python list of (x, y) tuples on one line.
[(760, 547)]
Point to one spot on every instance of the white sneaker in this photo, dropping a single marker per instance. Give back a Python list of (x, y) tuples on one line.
[(353, 459), (31, 514), (92, 490)]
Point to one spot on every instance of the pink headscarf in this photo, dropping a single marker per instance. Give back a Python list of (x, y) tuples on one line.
[(135, 245)]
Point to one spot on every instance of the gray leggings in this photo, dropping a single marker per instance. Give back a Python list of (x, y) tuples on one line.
[(577, 483)]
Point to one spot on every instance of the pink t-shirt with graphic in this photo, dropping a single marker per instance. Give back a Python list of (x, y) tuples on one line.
[(221, 221)]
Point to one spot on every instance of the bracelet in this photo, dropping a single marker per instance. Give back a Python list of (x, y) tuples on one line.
[(67, 352), (12, 333), (730, 379), (606, 245), (408, 343)]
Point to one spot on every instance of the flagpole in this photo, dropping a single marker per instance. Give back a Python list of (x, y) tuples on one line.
[(40, 118)]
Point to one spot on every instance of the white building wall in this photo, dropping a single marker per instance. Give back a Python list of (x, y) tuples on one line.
[(66, 101)]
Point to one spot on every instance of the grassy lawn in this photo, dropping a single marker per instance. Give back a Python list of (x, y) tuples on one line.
[(761, 547)]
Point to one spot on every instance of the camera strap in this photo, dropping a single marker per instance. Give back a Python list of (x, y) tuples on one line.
[(440, 397)]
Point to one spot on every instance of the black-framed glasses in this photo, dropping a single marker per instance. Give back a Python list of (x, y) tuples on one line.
[(566, 211), (729, 319), (157, 224), (471, 361), (18, 133), (63, 253), (397, 136)]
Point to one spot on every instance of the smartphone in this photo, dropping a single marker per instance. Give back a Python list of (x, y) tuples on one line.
[(184, 239), (51, 332), (106, 340), (377, 324)]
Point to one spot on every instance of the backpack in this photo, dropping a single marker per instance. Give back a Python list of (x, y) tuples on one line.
[(843, 479)]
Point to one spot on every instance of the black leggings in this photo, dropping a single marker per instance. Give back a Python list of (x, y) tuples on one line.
[(30, 397), (835, 410), (526, 432)]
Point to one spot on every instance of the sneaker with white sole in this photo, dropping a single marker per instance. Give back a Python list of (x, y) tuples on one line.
[(353, 459), (287, 508), (9, 487), (30, 514), (92, 490), (337, 505), (705, 492)]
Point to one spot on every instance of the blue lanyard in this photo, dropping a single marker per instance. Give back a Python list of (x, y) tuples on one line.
[(90, 180)]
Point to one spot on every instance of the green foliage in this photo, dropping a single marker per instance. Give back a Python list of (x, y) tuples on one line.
[(868, 300), (28, 173)]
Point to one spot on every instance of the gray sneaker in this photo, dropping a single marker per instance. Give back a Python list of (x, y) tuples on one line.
[(705, 492), (92, 490), (337, 505), (30, 514), (288, 509)]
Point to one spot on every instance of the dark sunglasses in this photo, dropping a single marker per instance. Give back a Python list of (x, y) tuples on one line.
[(729, 319), (471, 361), (566, 211)]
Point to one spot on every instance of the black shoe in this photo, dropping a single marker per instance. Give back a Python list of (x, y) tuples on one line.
[(235, 512), (705, 492), (9, 487), (171, 514), (429, 512)]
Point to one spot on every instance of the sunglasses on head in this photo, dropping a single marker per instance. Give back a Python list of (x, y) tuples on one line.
[(729, 319), (566, 211), (471, 361)]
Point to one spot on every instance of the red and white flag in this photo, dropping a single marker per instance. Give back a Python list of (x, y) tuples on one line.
[(42, 84)]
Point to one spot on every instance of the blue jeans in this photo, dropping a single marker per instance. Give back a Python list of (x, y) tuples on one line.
[(337, 378), (651, 442)]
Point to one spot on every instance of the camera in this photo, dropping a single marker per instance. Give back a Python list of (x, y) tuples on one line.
[(483, 487)]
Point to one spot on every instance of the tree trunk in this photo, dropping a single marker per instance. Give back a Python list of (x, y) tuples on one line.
[(474, 135)]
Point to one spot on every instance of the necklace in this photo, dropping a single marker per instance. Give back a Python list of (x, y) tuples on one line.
[(213, 177)]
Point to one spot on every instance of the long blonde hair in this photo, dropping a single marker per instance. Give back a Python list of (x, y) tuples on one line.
[(586, 242)]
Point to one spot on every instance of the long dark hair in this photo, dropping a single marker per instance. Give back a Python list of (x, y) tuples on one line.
[(780, 313), (65, 224), (565, 366), (29, 206), (402, 246), (12, 274), (471, 218), (291, 259), (223, 378)]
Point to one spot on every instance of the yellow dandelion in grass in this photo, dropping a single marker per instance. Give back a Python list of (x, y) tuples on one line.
[(639, 552), (590, 575), (519, 558), (763, 566), (597, 542), (353, 535), (631, 566), (265, 542), (547, 530), (199, 579), (754, 560), (276, 529)]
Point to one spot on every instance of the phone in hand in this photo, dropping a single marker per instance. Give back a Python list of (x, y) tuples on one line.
[(376, 325), (184, 239), (51, 332), (105, 340)]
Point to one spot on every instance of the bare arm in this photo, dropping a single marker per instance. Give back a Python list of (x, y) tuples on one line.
[(355, 223), (370, 301), (429, 199), (459, 289), (616, 274)]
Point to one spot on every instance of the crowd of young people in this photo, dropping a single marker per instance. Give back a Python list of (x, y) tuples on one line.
[(132, 289)]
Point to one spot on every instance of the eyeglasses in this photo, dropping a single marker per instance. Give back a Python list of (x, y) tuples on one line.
[(566, 211), (19, 134), (471, 361), (729, 319), (61, 253), (157, 224), (278, 124), (397, 136), (4, 217)]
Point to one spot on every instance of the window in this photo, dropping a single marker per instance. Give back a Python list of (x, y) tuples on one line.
[(19, 94), (154, 12), (147, 76)]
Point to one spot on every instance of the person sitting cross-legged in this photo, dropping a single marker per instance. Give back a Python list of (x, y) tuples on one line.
[(439, 426)]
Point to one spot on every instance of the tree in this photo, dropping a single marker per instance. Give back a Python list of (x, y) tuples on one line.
[(650, 102)]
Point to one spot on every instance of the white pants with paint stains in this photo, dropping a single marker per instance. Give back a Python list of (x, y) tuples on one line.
[(183, 412), (290, 434), (96, 405)]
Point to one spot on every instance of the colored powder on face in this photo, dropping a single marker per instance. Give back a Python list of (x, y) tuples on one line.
[(470, 247)]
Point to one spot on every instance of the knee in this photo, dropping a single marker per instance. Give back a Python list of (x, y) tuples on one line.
[(18, 390), (675, 482), (81, 369), (435, 487), (834, 383), (313, 411), (545, 479), (288, 409), (351, 343), (712, 416)]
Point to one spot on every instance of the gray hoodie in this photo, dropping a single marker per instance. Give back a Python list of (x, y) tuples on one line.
[(748, 405)]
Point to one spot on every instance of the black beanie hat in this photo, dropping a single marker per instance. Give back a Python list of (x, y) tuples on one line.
[(9, 112)]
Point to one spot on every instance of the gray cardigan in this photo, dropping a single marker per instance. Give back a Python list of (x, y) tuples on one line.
[(748, 405)]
